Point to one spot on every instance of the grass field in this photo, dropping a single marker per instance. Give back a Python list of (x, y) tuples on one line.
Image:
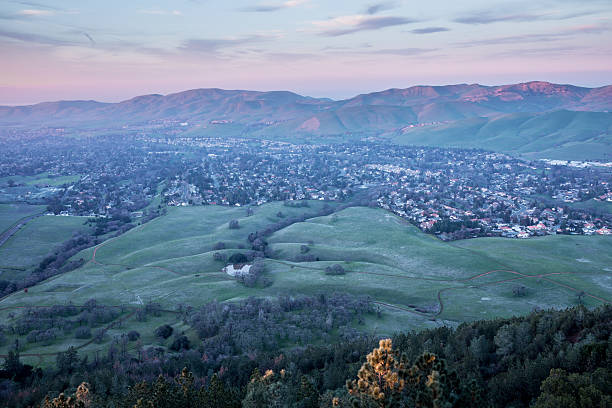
[(11, 213), (42, 179), (170, 260), (24, 250)]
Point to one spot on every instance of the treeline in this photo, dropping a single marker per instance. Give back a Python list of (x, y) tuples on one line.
[(45, 324), (546, 359), (58, 261)]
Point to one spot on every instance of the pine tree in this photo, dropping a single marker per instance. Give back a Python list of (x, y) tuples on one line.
[(381, 379), (307, 395)]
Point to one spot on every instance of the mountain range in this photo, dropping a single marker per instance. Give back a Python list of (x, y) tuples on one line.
[(523, 118)]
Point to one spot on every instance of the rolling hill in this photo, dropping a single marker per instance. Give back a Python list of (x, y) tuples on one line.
[(539, 118), (565, 135), (415, 279)]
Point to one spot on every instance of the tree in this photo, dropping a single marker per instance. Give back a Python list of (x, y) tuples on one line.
[(381, 379), (180, 343), (237, 258), (164, 331), (307, 395), (219, 256), (335, 269), (67, 361), (386, 381), (588, 390), (217, 395), (81, 399)]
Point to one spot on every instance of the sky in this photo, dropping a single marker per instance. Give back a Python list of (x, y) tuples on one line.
[(113, 50)]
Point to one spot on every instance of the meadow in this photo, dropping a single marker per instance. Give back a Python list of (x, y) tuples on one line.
[(11, 213), (416, 280), (42, 179)]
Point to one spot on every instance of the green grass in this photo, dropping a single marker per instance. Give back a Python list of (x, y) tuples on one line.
[(599, 207), (565, 135), (42, 179), (169, 260), (37, 239), (11, 213)]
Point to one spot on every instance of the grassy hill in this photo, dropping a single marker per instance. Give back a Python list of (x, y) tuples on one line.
[(11, 213), (561, 135), (417, 280)]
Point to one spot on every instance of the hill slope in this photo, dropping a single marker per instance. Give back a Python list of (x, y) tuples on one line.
[(412, 276), (559, 134)]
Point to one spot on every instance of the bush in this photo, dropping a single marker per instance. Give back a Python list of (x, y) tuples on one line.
[(335, 269), (99, 335), (133, 335), (82, 332), (164, 331), (218, 256), (180, 343), (238, 258)]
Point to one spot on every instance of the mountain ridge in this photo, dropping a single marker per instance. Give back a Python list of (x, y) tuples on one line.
[(465, 115), (442, 101)]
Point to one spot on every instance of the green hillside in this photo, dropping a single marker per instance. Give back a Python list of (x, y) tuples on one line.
[(558, 135), (11, 213), (417, 280)]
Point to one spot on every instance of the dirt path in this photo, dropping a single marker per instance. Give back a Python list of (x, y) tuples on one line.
[(95, 261), (465, 280)]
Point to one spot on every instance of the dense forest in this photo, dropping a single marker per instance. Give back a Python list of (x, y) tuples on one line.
[(545, 359)]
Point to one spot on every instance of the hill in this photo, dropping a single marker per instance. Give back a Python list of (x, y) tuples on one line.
[(536, 119), (414, 279), (565, 135)]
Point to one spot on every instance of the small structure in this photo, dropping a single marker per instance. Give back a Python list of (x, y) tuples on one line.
[(237, 270)]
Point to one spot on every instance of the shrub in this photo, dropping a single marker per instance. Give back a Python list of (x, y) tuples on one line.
[(219, 256), (133, 335), (164, 331), (238, 258), (82, 332), (180, 343), (335, 269)]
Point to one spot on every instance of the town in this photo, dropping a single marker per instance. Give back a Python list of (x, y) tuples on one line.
[(452, 193)]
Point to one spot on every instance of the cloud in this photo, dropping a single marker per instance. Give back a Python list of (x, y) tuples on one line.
[(378, 7), (36, 12), (351, 24), (158, 12), (489, 17), (36, 38), (36, 5), (429, 30), (213, 45), (539, 37), (267, 8), (402, 51)]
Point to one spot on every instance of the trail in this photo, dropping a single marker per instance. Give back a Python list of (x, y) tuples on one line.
[(469, 279), (95, 261)]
